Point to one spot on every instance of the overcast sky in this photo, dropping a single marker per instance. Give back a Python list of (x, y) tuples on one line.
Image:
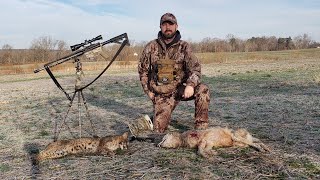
[(73, 21)]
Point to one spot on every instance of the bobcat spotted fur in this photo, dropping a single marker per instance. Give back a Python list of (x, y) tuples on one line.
[(84, 146)]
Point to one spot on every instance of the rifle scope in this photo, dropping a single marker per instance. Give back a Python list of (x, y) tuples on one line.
[(78, 46)]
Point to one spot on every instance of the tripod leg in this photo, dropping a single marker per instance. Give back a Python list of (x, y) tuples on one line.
[(57, 131), (79, 113), (88, 115)]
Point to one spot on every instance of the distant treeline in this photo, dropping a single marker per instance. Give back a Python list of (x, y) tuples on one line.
[(233, 44), (46, 49)]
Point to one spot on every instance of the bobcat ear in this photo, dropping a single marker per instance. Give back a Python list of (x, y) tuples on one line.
[(125, 135)]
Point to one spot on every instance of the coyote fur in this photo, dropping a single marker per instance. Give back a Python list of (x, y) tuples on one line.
[(84, 146), (205, 140)]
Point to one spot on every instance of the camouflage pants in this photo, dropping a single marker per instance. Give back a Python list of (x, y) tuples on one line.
[(164, 105)]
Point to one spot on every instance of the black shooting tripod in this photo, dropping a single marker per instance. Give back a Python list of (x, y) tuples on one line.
[(81, 99), (78, 50)]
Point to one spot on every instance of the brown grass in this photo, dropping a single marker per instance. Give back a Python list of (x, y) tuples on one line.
[(229, 57), (277, 101), (205, 58), (66, 67)]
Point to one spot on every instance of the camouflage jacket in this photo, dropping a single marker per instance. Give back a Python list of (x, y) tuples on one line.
[(179, 51)]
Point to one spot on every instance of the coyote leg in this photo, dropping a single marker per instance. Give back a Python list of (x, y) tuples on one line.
[(205, 150)]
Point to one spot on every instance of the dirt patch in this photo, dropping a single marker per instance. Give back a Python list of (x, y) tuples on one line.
[(278, 101)]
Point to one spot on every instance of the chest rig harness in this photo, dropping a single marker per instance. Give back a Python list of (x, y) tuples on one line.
[(167, 75)]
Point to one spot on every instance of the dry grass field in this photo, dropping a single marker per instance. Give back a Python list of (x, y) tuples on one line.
[(276, 99)]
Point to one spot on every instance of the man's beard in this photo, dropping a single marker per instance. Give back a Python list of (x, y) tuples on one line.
[(168, 36)]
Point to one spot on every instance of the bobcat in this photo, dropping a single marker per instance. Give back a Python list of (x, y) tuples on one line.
[(205, 140), (84, 146)]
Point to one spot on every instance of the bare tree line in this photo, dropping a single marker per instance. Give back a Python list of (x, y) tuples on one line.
[(45, 49), (41, 50), (272, 43)]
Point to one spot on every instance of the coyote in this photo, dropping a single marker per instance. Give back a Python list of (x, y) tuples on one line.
[(205, 140), (84, 146)]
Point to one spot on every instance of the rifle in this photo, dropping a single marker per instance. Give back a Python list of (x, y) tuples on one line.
[(79, 52), (81, 49)]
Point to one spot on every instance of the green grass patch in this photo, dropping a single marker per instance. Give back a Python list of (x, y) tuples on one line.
[(260, 83), (180, 126), (120, 151), (4, 168), (2, 137), (309, 168), (125, 90), (43, 133), (171, 157)]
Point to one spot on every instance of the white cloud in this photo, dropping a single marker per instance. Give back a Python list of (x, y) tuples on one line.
[(44, 18), (24, 20)]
